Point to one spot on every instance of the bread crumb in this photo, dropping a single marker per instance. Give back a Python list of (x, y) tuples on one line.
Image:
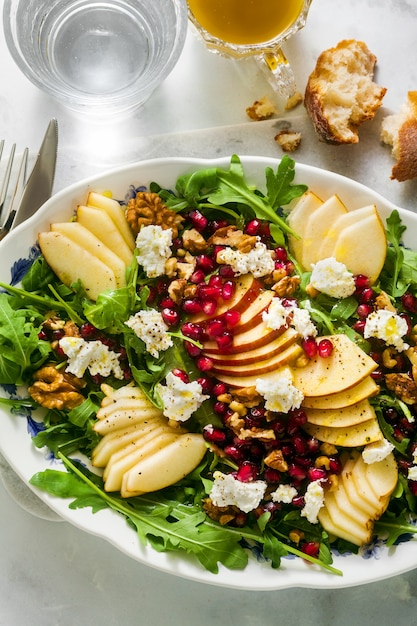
[(294, 101), (261, 109), (341, 94), (400, 131), (289, 140)]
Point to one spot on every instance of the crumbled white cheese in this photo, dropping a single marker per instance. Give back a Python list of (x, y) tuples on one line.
[(280, 394), (388, 326), (278, 315), (332, 277), (415, 457), (91, 355), (228, 491), (412, 473), (151, 328), (258, 261), (377, 451), (180, 399), (153, 246), (284, 493), (313, 501)]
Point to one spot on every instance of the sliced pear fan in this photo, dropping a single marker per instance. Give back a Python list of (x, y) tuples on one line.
[(140, 451), (360, 497)]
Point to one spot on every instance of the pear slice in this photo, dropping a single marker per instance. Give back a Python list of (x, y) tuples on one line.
[(326, 246), (116, 469), (103, 227), (345, 416), (318, 228), (336, 521), (297, 220), (362, 247), (124, 418), (347, 436), (85, 238), (116, 212), (367, 388), (345, 367), (164, 467), (71, 262)]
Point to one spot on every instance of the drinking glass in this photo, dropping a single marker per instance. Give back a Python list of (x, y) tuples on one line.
[(252, 28)]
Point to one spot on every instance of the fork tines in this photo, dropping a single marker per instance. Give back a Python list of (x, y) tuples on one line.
[(13, 178)]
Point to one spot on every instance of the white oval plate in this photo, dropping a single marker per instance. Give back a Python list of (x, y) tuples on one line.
[(26, 460)]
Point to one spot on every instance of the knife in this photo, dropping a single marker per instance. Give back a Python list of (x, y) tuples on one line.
[(38, 188)]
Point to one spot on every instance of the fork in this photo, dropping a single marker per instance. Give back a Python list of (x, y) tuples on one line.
[(12, 185)]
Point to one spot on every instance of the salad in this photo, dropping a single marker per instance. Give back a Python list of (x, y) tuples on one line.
[(261, 481)]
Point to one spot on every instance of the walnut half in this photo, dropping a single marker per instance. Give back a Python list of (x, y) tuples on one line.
[(147, 208), (54, 389)]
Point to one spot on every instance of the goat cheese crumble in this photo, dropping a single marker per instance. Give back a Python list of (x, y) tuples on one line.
[(150, 327), (228, 491), (284, 493), (258, 261), (388, 326), (180, 399), (280, 394), (377, 451), (279, 315), (412, 473), (332, 278), (153, 245), (313, 501), (91, 355)]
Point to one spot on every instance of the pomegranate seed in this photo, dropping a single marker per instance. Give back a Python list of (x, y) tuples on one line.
[(239, 520), (215, 327), (226, 271), (204, 364), (359, 326), (317, 473), (43, 335), (171, 317), (272, 475), (214, 435), (254, 227), (224, 341), (59, 352), (407, 320), (364, 310), (279, 426), (390, 414), (412, 485), (247, 472), (206, 384), (215, 281), (367, 296), (220, 407), (219, 389), (313, 445), (198, 220), (228, 290), (193, 331), (299, 445), (361, 282), (197, 277), (311, 548), (309, 346), (325, 348), (257, 413), (57, 334), (216, 224), (209, 292), (297, 472), (192, 306), (181, 374), (232, 318), (266, 233), (209, 307), (298, 501), (377, 375), (409, 302), (167, 303), (192, 349), (280, 254), (88, 331), (235, 453), (205, 263)]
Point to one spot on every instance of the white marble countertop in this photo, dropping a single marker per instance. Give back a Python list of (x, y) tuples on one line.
[(50, 572)]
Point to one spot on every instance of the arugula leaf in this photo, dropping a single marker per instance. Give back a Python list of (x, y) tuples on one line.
[(21, 350)]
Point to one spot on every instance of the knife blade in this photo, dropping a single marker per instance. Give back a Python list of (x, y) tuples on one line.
[(39, 185)]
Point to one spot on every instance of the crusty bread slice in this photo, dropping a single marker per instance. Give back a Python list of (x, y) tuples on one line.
[(341, 92), (400, 131)]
